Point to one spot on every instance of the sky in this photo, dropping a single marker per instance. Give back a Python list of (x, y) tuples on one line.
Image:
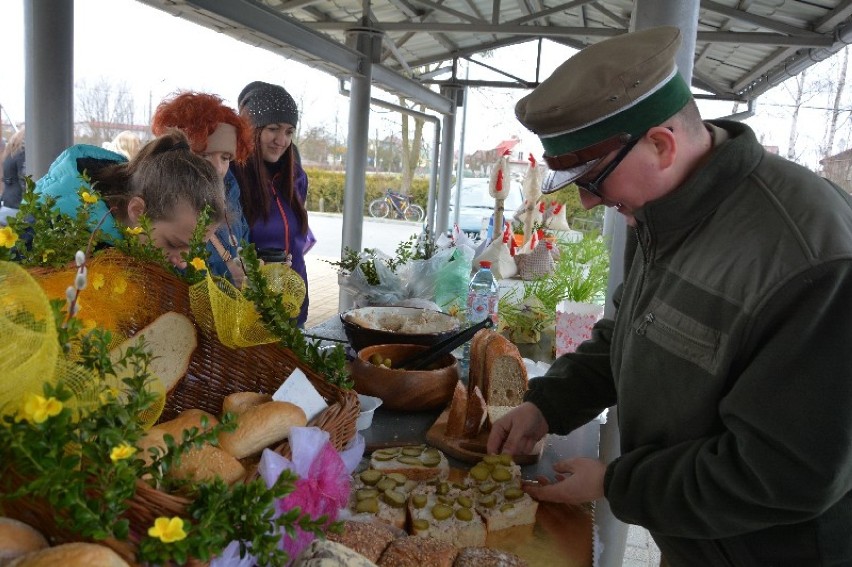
[(154, 54)]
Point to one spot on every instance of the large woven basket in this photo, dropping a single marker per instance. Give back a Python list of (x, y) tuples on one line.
[(215, 371)]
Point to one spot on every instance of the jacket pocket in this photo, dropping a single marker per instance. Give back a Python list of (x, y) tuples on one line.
[(681, 335)]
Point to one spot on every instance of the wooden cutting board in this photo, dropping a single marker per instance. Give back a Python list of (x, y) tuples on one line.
[(471, 450)]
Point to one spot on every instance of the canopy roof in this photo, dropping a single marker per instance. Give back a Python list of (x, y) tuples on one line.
[(743, 47)]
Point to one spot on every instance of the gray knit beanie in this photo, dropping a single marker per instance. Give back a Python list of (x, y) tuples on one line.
[(265, 103)]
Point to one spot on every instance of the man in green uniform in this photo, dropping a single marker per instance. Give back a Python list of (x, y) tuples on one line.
[(730, 355)]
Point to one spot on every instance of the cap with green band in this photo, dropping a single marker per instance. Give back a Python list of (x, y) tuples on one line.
[(611, 91)]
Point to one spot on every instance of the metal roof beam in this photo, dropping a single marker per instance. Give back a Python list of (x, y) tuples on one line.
[(760, 21), (554, 10), (450, 11)]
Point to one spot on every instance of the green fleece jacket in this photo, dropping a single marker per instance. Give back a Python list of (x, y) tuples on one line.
[(730, 360)]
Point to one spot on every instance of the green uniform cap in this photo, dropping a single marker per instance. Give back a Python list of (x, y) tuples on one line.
[(622, 85)]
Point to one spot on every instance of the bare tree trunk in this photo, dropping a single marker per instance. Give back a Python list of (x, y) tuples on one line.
[(106, 108), (411, 146), (797, 106), (828, 149)]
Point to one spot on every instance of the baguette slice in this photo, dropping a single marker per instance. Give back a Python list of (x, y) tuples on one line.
[(172, 339), (446, 513), (380, 497), (417, 462), (496, 484)]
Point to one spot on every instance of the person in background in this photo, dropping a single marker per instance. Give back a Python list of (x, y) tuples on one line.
[(274, 185), (221, 136), (14, 184), (166, 182), (728, 356), (125, 143)]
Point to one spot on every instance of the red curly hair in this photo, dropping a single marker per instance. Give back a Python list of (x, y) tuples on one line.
[(198, 115)]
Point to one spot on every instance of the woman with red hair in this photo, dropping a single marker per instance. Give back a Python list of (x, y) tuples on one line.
[(218, 134)]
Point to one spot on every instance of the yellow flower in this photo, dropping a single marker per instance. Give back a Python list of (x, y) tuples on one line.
[(120, 286), (8, 237), (47, 254), (98, 281), (198, 264), (88, 198), (168, 530), (135, 231), (108, 395), (123, 451), (38, 408), (89, 325)]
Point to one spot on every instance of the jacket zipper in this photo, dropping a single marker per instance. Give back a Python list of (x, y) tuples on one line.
[(663, 327)]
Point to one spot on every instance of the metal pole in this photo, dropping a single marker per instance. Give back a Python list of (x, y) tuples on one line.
[(442, 212)]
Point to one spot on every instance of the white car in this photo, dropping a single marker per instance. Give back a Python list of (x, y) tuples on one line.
[(477, 205)]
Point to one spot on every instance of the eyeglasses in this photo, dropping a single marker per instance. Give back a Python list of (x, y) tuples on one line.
[(594, 186)]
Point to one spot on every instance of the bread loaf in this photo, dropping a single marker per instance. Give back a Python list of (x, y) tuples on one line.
[(76, 554), (262, 426), (171, 338), (199, 464), (477, 357), (367, 538), (418, 552), (18, 538), (505, 379), (239, 402), (457, 413), (474, 414)]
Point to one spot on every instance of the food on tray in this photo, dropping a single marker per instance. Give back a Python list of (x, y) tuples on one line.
[(239, 402), (17, 539), (500, 500), (262, 426), (445, 511), (172, 339), (418, 552), (76, 554), (417, 462), (367, 538), (327, 553), (379, 496), (406, 321)]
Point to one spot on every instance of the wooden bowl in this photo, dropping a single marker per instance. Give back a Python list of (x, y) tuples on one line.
[(407, 390)]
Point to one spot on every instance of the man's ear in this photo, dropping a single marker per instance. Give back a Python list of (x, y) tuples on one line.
[(665, 145), (135, 209)]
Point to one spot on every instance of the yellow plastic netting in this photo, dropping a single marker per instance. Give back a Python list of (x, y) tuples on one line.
[(221, 308), (29, 350)]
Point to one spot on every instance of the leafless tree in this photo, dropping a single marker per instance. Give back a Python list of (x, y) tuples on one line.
[(412, 143), (835, 113), (106, 109)]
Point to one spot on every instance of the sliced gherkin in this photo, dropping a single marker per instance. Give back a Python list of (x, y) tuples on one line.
[(464, 501), (506, 460), (501, 474), (488, 501), (487, 487), (507, 506), (419, 500), (513, 493), (410, 460), (491, 459), (370, 476), (464, 514), (370, 505), (394, 498), (430, 460), (363, 493), (385, 483), (397, 477), (443, 488), (479, 472), (412, 451), (421, 525), (441, 511)]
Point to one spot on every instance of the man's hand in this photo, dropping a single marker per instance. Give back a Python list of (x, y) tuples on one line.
[(517, 432), (577, 481)]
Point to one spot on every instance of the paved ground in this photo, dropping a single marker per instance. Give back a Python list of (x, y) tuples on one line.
[(325, 294)]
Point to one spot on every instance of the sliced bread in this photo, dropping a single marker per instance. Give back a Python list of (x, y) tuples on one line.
[(505, 380), (417, 462)]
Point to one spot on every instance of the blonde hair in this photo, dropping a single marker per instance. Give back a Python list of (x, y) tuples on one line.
[(15, 144), (126, 143)]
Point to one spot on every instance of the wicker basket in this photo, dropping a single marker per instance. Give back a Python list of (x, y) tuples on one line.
[(215, 371)]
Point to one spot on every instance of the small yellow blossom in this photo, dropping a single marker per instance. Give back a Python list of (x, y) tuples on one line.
[(167, 530), (98, 281), (198, 264), (123, 451), (8, 237), (47, 254), (38, 408), (88, 198), (108, 395), (89, 325), (135, 231), (120, 286)]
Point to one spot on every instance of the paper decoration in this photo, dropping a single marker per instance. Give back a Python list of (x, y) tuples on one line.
[(557, 220), (499, 187), (537, 263), (532, 193), (502, 263), (574, 322)]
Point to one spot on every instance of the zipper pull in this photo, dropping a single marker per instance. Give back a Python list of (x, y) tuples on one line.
[(649, 318)]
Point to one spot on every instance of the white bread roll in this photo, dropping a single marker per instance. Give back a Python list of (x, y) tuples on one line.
[(239, 402), (76, 554), (261, 427), (18, 538), (172, 339)]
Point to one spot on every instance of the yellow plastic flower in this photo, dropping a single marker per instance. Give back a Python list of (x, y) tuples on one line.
[(198, 264), (135, 231), (120, 286), (88, 198), (98, 281), (167, 530), (123, 451), (38, 408), (8, 237)]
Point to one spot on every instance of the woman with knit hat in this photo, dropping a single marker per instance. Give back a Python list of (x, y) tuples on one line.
[(218, 134), (274, 185)]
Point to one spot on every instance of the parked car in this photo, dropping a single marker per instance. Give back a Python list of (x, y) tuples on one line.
[(477, 205)]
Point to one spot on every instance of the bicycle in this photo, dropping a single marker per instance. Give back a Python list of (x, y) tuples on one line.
[(400, 204)]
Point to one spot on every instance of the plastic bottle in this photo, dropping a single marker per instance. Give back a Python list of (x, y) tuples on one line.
[(481, 303)]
